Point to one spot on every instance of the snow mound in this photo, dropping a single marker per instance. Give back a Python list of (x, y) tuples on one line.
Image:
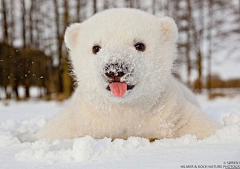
[(89, 149), (231, 118), (81, 149), (7, 139), (20, 130), (19, 135)]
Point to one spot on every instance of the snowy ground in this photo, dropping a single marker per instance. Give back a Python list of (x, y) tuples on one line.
[(19, 121)]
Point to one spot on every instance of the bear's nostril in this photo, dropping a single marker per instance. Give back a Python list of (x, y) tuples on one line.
[(120, 74), (110, 74)]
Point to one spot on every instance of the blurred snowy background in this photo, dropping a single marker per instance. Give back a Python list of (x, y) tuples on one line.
[(34, 60)]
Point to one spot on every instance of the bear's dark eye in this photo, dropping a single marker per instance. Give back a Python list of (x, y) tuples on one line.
[(96, 49), (140, 47)]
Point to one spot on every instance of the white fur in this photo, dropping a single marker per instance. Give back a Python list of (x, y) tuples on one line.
[(157, 107)]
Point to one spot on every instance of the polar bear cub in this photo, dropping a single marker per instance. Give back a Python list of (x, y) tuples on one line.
[(122, 59)]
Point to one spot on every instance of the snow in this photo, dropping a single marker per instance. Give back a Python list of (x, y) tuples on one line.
[(19, 149)]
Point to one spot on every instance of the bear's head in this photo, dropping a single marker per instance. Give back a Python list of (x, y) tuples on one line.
[(123, 55)]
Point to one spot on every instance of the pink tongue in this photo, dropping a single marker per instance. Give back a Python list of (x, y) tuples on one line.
[(118, 88)]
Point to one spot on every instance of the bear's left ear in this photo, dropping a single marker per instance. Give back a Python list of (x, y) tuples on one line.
[(169, 28), (71, 35)]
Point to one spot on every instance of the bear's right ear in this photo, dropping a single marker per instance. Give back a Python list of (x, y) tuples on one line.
[(71, 35), (169, 28)]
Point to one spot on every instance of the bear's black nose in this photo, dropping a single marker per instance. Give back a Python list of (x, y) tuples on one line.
[(115, 76), (115, 71)]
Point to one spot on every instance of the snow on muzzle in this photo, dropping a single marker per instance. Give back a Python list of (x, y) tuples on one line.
[(118, 76)]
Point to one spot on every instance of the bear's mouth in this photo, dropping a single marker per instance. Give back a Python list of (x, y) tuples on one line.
[(119, 88), (117, 75)]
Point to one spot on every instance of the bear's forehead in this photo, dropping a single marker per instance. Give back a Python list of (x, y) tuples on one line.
[(125, 24)]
